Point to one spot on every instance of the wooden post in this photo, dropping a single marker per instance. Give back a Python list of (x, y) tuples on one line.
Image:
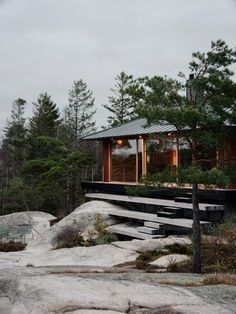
[(106, 161)]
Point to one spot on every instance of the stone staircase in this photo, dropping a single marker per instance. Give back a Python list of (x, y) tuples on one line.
[(169, 215)]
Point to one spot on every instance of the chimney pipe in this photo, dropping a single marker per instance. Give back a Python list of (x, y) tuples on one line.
[(189, 89)]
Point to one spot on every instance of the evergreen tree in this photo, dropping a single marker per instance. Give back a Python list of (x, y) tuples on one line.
[(45, 120), (14, 140), (200, 118), (80, 112), (121, 104)]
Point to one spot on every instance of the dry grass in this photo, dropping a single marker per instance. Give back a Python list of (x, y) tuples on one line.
[(219, 279), (213, 279)]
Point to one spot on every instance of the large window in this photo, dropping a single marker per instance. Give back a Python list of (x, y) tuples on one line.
[(185, 154), (129, 159), (206, 156), (161, 153), (126, 160), (123, 160)]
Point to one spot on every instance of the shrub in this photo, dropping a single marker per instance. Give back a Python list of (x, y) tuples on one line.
[(177, 248), (11, 246), (69, 237), (103, 237), (219, 249), (143, 260)]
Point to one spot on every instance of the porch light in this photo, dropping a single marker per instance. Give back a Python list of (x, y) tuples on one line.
[(169, 134), (119, 142)]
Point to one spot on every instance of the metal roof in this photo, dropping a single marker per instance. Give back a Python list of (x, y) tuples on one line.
[(132, 128)]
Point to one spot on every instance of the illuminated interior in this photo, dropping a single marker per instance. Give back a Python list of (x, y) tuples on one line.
[(129, 159)]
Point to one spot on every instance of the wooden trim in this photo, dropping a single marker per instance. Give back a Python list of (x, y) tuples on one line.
[(144, 156), (136, 160), (177, 152)]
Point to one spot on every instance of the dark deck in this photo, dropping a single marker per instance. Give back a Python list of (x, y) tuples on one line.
[(214, 196)]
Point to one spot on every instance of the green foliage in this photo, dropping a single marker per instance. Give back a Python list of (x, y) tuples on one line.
[(194, 174), (121, 105), (51, 182), (79, 114), (140, 190), (20, 196), (45, 121), (15, 137), (200, 117), (103, 237), (44, 147)]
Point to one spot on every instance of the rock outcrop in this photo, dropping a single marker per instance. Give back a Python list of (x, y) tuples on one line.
[(170, 259)]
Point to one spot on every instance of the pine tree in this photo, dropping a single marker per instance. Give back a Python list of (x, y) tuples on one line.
[(80, 112), (121, 105), (45, 120), (200, 118), (15, 134)]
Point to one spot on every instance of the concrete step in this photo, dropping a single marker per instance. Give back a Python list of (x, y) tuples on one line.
[(167, 214), (179, 212), (172, 209), (148, 230), (152, 224), (182, 199), (149, 201), (178, 222), (127, 230)]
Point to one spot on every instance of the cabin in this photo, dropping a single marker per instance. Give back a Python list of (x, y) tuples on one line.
[(134, 149)]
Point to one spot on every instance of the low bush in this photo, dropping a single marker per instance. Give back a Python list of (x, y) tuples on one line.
[(11, 246), (177, 248), (103, 236), (143, 260), (219, 249), (69, 237)]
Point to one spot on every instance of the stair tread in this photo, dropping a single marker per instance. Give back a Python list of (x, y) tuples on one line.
[(167, 213), (148, 230), (127, 230), (153, 224), (171, 207)]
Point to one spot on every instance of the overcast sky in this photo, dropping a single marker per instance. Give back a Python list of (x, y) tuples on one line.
[(46, 44)]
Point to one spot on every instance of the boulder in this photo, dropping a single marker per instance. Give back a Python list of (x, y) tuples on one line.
[(39, 221), (82, 219), (166, 260)]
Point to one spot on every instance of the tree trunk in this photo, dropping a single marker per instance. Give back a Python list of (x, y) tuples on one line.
[(196, 231)]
